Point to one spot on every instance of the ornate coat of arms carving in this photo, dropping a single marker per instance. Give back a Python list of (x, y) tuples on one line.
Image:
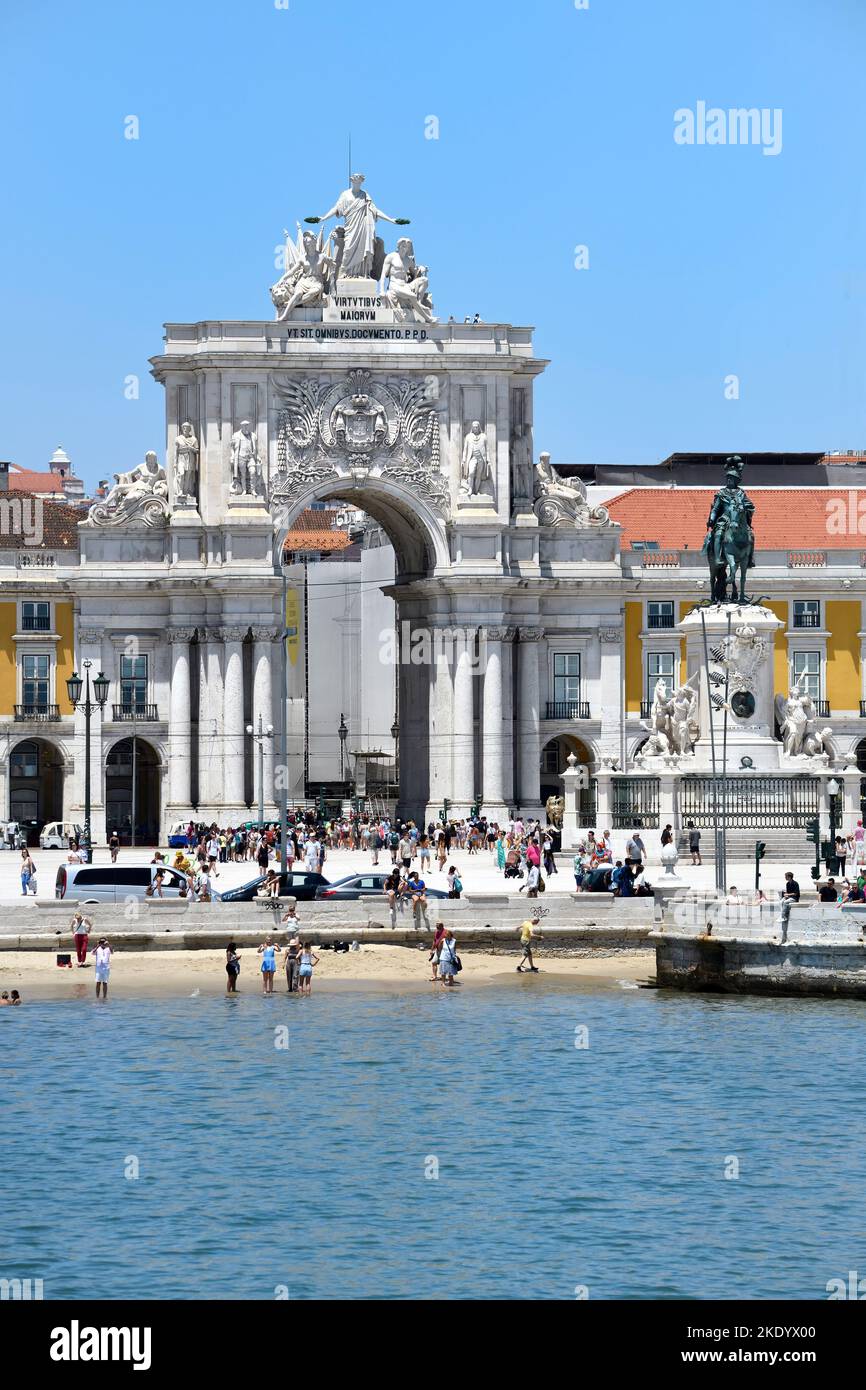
[(358, 425)]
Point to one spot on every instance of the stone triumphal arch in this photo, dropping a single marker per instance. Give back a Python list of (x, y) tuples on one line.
[(356, 391)]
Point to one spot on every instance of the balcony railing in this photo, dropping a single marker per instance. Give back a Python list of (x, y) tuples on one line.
[(822, 708), (36, 622), (807, 559), (132, 713), (807, 620), (567, 709), (660, 620), (38, 714)]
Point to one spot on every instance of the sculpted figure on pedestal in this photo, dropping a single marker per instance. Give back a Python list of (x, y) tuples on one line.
[(798, 725), (141, 494), (555, 807), (363, 251), (185, 462), (246, 467), (673, 721), (475, 463), (406, 289), (562, 501), (729, 544), (307, 275)]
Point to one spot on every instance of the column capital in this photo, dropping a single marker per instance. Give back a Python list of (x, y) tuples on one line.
[(179, 634), (230, 634), (266, 634), (91, 634), (609, 634), (531, 634), (495, 634)]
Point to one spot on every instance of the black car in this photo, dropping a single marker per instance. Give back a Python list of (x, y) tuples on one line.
[(356, 886), (297, 884)]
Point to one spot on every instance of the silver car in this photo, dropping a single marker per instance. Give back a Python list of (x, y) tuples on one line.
[(115, 883)]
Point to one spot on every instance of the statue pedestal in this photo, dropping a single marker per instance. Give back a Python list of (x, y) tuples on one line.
[(185, 512), (751, 716), (574, 780), (243, 504)]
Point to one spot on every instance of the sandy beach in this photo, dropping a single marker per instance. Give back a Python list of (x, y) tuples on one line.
[(146, 973)]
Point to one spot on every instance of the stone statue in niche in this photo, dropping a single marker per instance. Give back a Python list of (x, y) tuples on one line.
[(475, 469), (247, 478), (522, 480), (185, 463)]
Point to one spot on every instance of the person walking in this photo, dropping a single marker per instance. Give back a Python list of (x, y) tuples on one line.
[(102, 954), (268, 951), (526, 930), (376, 843), (694, 842), (841, 847), (28, 872), (114, 845), (233, 968), (533, 879), (667, 835), (424, 853), (81, 928), (306, 962), (455, 883), (500, 848)]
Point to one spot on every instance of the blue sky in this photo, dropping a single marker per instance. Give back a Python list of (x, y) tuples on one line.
[(555, 130)]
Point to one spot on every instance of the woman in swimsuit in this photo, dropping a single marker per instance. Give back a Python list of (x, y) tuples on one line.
[(233, 968), (307, 960)]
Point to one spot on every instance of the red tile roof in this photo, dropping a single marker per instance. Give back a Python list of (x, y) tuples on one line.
[(27, 480), (314, 530), (785, 518), (59, 524)]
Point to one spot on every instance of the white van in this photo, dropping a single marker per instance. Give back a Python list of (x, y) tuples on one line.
[(115, 883), (57, 834)]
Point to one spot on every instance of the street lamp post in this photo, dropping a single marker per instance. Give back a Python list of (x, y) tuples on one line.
[(833, 792), (344, 734), (395, 734), (259, 737), (88, 708)]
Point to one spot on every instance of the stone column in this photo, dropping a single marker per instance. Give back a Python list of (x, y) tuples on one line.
[(210, 726), (493, 731), (179, 725), (264, 649), (529, 720), (90, 642), (441, 714), (234, 734), (463, 775), (508, 717)]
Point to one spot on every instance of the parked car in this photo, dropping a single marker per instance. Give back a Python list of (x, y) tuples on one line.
[(297, 884), (114, 883), (356, 886), (58, 833)]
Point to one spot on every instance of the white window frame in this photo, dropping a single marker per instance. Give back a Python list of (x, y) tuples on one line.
[(809, 652), (25, 654)]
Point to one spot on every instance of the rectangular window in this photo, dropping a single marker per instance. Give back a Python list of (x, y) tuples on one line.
[(566, 677), (807, 612), (35, 617), (35, 686), (660, 614), (807, 672), (659, 667), (133, 681), (24, 762)]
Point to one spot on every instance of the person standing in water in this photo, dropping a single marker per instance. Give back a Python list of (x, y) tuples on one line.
[(306, 961), (268, 951), (233, 968), (102, 954)]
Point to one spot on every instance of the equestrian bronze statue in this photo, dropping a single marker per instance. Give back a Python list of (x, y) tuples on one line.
[(730, 540)]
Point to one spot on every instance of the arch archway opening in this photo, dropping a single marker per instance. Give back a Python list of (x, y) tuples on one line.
[(356, 605), (132, 785), (36, 769), (554, 757)]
